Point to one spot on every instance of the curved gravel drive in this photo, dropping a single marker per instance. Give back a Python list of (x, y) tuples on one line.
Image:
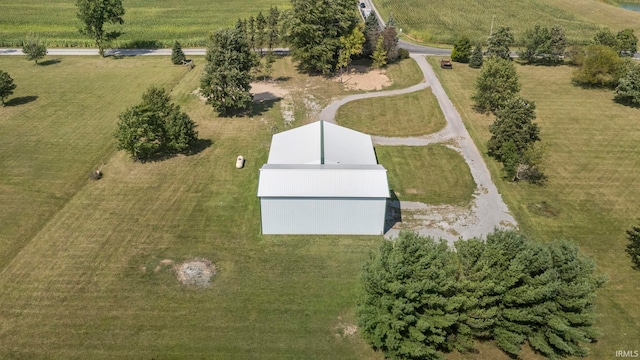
[(487, 210)]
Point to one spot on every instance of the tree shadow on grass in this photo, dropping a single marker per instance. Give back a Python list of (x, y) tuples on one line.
[(393, 214), (21, 100), (50, 62), (260, 107), (199, 146)]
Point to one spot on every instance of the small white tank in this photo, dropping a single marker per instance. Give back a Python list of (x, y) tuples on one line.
[(240, 162)]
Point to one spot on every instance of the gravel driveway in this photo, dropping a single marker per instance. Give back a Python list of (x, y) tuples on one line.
[(486, 211)]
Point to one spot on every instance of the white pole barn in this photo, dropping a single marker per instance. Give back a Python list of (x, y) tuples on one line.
[(322, 178)]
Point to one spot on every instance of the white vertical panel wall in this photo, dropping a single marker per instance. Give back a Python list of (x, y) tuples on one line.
[(339, 216)]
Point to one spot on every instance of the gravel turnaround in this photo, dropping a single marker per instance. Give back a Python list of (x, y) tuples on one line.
[(487, 210)]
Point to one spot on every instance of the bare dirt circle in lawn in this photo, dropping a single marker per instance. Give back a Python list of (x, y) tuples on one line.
[(363, 78), (195, 273)]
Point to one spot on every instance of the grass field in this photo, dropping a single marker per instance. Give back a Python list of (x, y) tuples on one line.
[(594, 177), (442, 21), (147, 23), (412, 114), (431, 174), (78, 275)]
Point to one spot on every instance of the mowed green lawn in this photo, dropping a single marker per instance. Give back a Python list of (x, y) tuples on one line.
[(592, 195), (147, 22), (82, 273), (56, 128), (411, 114), (431, 174), (442, 21)]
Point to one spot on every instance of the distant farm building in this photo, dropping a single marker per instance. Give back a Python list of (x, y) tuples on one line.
[(322, 178)]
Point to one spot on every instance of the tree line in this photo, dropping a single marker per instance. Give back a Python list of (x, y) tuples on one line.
[(420, 298)]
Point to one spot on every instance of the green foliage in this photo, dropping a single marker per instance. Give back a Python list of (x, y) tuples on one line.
[(350, 45), (513, 135), (543, 46), (476, 59), (273, 29), (412, 301), (177, 55), (633, 247), (34, 49), (461, 50), (315, 29), (421, 298), (371, 33), (514, 124), (605, 37), (6, 86), (499, 42), (227, 74), (390, 42), (496, 83), (261, 34), (154, 127), (627, 42), (251, 32), (379, 55), (94, 14), (599, 66), (628, 89)]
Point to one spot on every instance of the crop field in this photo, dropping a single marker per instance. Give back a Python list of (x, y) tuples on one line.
[(441, 21), (594, 175), (148, 23), (86, 266)]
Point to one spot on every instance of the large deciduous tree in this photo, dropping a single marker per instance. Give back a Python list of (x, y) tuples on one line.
[(627, 42), (513, 135), (461, 50), (315, 29), (154, 127), (6, 86), (599, 66), (628, 90), (350, 45), (543, 46), (227, 74), (379, 55), (34, 49), (496, 83), (498, 43), (95, 14)]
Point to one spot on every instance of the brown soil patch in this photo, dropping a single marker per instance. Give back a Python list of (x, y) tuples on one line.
[(265, 91), (363, 78), (196, 272)]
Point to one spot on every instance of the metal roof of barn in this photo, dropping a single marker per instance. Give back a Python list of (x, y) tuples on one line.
[(330, 180), (321, 143)]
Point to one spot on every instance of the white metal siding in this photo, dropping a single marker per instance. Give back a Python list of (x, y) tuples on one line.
[(339, 216)]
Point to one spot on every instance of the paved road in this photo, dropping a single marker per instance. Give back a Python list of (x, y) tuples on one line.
[(449, 222), (118, 52)]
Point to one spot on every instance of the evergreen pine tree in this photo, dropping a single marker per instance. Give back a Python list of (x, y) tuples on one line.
[(633, 247), (177, 55), (371, 33), (476, 60), (411, 301)]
